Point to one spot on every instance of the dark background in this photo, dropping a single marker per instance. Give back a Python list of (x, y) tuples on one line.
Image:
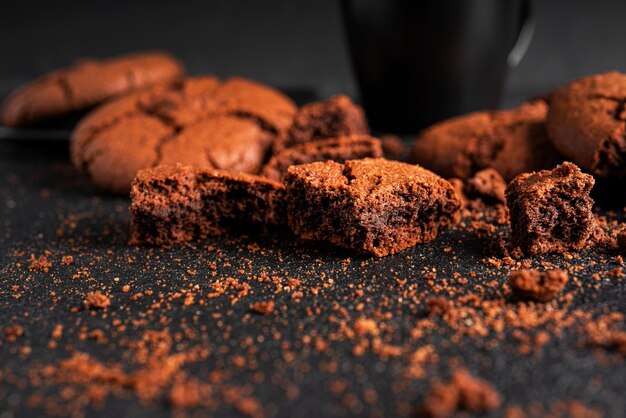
[(290, 44)]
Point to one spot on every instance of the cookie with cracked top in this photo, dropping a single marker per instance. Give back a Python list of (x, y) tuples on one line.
[(85, 85), (338, 116), (339, 149), (373, 206), (551, 210), (587, 123), (511, 141), (178, 203), (202, 121)]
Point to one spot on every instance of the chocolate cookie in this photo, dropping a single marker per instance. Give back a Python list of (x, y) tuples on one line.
[(551, 210), (587, 123), (177, 203), (373, 205), (86, 84), (335, 117), (340, 149), (510, 141), (200, 121)]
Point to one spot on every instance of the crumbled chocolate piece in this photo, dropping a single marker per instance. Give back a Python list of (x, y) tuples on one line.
[(263, 307), (335, 117), (462, 392), (374, 206), (96, 300), (438, 305), (539, 286), (488, 185), (551, 210), (180, 203), (40, 264)]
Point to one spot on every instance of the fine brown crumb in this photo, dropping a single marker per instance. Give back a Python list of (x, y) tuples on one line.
[(263, 308), (96, 300), (462, 392), (438, 306), (536, 285), (67, 260), (39, 264)]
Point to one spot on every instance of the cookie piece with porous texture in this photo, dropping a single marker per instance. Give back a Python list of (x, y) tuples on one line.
[(86, 84), (510, 141), (487, 185), (551, 210), (339, 149), (373, 205), (178, 203), (338, 116), (587, 123), (201, 121), (540, 286)]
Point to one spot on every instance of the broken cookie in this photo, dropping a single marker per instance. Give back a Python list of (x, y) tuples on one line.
[(177, 203), (373, 205), (338, 116), (551, 210)]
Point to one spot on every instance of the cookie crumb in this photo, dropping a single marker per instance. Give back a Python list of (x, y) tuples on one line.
[(96, 300), (462, 392), (39, 264), (263, 307), (536, 285)]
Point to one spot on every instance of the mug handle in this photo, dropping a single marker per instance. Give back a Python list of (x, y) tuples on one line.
[(525, 34)]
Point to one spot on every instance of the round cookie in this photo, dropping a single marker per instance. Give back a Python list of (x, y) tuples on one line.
[(200, 121), (587, 123), (510, 141), (86, 84)]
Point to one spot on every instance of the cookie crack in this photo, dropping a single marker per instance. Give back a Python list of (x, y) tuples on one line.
[(66, 89), (165, 120), (262, 123)]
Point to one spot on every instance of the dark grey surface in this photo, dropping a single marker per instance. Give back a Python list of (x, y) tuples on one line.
[(285, 43)]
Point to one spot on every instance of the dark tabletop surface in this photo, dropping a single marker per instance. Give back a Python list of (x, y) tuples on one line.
[(48, 209)]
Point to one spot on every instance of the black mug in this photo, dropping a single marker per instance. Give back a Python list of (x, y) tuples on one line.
[(421, 61)]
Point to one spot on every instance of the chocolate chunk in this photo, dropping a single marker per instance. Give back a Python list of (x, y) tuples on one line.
[(551, 210), (177, 203), (510, 141), (537, 285), (336, 149), (335, 117), (373, 206)]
